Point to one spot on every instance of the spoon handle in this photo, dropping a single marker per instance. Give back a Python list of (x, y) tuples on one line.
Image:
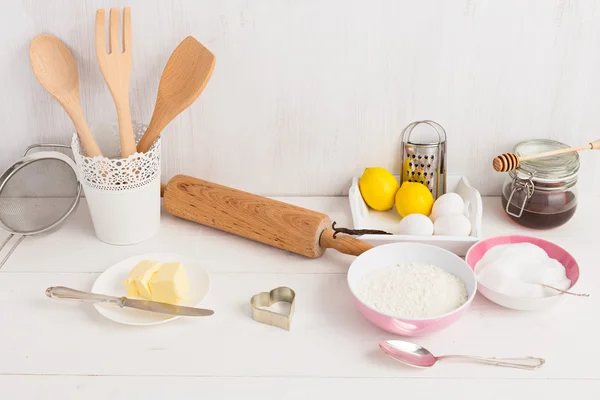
[(83, 131), (529, 363), (565, 291)]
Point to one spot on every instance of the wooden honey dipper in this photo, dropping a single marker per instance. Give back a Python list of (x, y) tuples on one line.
[(509, 161)]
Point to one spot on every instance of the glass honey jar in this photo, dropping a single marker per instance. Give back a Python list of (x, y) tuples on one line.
[(542, 193)]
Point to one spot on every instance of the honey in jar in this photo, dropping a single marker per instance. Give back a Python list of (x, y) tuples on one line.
[(541, 193)]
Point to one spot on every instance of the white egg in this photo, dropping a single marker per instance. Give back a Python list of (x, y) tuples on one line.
[(415, 224), (447, 204), (452, 225)]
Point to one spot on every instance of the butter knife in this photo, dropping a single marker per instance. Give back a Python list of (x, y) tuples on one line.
[(61, 292)]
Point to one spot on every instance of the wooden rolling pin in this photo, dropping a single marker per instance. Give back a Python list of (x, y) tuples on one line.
[(257, 218), (509, 161)]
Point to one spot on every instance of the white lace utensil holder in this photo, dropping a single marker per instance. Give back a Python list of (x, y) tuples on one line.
[(123, 194)]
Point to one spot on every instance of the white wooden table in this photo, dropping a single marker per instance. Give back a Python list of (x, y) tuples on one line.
[(63, 350)]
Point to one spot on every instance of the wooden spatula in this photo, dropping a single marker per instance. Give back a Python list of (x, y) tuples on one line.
[(54, 67), (116, 69), (186, 74)]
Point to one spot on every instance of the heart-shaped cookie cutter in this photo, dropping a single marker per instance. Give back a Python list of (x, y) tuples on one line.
[(267, 299)]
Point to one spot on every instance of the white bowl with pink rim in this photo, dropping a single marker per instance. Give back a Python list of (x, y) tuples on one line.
[(400, 253), (477, 251)]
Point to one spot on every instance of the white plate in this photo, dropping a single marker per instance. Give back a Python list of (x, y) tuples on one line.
[(111, 282)]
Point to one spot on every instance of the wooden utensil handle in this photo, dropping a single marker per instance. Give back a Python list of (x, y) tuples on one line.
[(343, 243), (126, 137), (152, 133), (83, 131), (556, 152)]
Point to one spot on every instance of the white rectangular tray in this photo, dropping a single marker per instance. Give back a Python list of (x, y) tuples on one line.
[(364, 217)]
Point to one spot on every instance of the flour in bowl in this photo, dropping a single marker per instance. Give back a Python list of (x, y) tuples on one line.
[(412, 291)]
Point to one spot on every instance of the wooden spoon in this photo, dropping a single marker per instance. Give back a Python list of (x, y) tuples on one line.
[(508, 161), (54, 67), (186, 74)]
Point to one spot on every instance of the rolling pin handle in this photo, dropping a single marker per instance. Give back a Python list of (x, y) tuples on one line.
[(343, 243)]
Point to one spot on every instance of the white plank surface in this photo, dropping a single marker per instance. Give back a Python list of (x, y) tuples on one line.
[(52, 349), (115, 388), (306, 94), (329, 337)]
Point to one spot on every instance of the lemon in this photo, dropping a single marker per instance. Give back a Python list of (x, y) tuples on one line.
[(413, 198), (378, 188)]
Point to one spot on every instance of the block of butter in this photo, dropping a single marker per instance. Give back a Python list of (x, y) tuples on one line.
[(139, 277), (163, 282), (170, 284)]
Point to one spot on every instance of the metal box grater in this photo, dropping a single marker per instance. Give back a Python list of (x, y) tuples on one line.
[(425, 162)]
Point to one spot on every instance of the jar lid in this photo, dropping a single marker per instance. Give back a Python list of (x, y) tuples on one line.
[(553, 169)]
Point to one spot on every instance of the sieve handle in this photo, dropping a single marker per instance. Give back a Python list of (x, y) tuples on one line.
[(61, 292), (35, 146)]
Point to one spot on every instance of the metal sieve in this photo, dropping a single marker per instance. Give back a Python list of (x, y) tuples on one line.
[(37, 193)]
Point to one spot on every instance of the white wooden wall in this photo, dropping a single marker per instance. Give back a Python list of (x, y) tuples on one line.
[(306, 94)]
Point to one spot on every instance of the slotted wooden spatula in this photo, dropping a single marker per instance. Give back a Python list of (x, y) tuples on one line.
[(185, 76)]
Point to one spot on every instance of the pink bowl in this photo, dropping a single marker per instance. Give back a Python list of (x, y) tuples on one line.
[(477, 251), (397, 253)]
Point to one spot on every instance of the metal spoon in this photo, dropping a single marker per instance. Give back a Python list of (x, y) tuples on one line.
[(565, 291), (416, 356)]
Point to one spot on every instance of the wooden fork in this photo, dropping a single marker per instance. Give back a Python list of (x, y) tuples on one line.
[(116, 69)]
